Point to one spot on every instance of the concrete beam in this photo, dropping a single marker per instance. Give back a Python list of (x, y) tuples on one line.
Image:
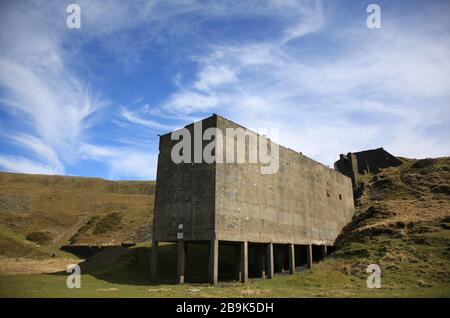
[(309, 255), (270, 269), (181, 261), (213, 271), (154, 261), (244, 262), (291, 259)]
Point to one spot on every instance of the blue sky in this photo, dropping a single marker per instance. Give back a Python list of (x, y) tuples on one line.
[(91, 101)]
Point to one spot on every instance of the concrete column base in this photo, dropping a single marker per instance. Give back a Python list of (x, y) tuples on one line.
[(309, 255), (291, 259), (181, 268), (244, 262), (270, 269), (213, 272)]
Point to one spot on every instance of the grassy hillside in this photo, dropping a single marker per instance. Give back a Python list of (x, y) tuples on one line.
[(40, 213), (401, 223)]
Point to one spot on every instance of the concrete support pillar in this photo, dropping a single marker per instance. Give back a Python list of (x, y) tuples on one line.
[(270, 270), (324, 251), (153, 261), (181, 261), (244, 262), (213, 271), (261, 261), (237, 262), (309, 255), (291, 259)]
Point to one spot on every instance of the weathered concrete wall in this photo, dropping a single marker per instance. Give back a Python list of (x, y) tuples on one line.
[(348, 165), (305, 202), (362, 162), (184, 194), (375, 159)]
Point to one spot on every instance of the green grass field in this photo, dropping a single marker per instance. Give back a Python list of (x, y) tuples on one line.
[(307, 284), (124, 272)]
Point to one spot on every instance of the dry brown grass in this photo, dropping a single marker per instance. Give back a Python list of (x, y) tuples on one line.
[(61, 206), (402, 225), (406, 197), (19, 266)]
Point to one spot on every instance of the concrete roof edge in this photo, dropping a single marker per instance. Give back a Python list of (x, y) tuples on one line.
[(231, 121)]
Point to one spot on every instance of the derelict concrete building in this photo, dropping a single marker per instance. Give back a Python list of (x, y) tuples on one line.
[(280, 217), (355, 163)]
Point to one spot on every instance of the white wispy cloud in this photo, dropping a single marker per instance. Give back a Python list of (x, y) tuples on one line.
[(212, 76), (388, 87), (135, 117), (189, 101), (40, 149), (24, 165), (54, 106), (362, 88), (123, 162), (310, 19)]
